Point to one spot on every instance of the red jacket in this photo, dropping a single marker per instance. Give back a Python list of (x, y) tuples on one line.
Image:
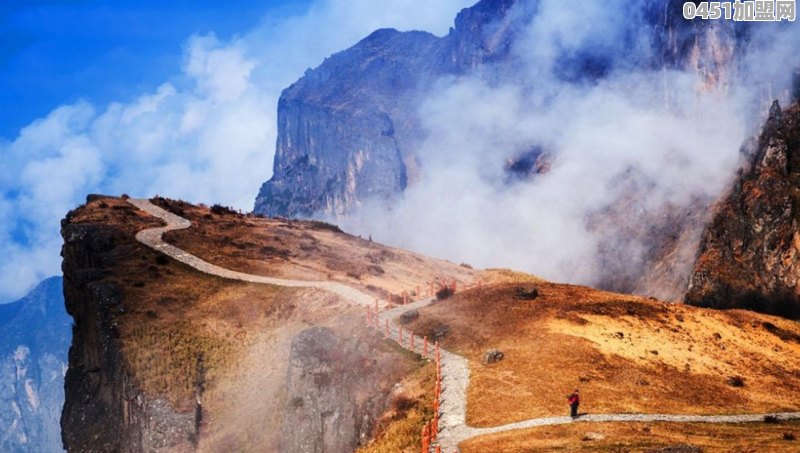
[(574, 399)]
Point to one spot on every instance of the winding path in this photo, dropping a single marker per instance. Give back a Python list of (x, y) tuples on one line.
[(455, 368)]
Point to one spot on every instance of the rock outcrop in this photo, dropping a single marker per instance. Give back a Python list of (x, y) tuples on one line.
[(34, 338), (336, 388), (104, 410), (750, 252)]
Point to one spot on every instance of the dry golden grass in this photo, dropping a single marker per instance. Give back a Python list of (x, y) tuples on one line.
[(625, 353), (174, 314), (399, 430), (642, 437), (305, 250)]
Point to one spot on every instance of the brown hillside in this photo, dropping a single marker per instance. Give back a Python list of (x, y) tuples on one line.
[(165, 315), (625, 353)]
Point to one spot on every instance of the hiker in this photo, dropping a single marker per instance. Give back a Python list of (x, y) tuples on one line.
[(574, 400)]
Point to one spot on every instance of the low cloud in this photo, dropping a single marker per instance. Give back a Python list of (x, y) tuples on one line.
[(208, 137), (638, 142)]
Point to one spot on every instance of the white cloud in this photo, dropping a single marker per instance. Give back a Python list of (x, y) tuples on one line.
[(209, 140)]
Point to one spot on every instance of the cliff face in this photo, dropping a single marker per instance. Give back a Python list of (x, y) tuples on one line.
[(166, 358), (750, 252), (34, 338), (348, 130), (104, 409)]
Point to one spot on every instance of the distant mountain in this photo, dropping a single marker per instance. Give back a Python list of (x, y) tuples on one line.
[(348, 130), (35, 334)]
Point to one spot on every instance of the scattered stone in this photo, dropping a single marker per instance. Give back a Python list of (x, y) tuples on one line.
[(619, 335), (409, 316), (439, 332), (492, 356), (527, 294), (771, 419), (654, 352), (592, 436), (736, 381)]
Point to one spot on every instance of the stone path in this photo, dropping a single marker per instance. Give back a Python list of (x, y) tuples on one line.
[(455, 368)]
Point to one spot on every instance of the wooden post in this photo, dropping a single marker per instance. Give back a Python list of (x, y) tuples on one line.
[(412, 342), (405, 298), (431, 293), (479, 284), (419, 296), (454, 286), (386, 331), (425, 346)]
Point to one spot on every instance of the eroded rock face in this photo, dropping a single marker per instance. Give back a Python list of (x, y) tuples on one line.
[(750, 252), (348, 130), (336, 388), (34, 339), (104, 410)]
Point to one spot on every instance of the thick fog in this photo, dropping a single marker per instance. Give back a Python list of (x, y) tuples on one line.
[(634, 143)]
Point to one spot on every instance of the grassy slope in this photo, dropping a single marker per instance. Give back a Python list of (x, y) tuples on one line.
[(173, 314), (643, 437), (625, 353)]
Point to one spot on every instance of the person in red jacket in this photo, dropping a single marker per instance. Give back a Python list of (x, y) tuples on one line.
[(574, 400)]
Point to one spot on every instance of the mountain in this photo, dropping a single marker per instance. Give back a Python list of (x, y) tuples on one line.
[(750, 252), (172, 357), (348, 130), (34, 338)]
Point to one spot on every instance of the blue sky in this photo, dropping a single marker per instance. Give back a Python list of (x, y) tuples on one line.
[(145, 97), (57, 51)]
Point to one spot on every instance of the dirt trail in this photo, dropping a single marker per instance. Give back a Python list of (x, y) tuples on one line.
[(455, 368)]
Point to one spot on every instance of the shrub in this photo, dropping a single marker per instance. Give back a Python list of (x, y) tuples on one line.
[(444, 293), (318, 225), (222, 210), (771, 419), (789, 436)]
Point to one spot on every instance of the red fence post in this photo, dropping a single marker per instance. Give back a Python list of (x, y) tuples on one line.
[(412, 342), (405, 298)]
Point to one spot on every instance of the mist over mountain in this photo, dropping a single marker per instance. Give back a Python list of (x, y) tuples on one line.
[(581, 144), (34, 339)]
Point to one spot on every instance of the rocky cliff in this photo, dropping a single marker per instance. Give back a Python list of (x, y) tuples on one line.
[(105, 408), (750, 253), (348, 130), (34, 338), (166, 358)]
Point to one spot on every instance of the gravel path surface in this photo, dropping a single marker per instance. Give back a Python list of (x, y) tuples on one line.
[(453, 428)]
